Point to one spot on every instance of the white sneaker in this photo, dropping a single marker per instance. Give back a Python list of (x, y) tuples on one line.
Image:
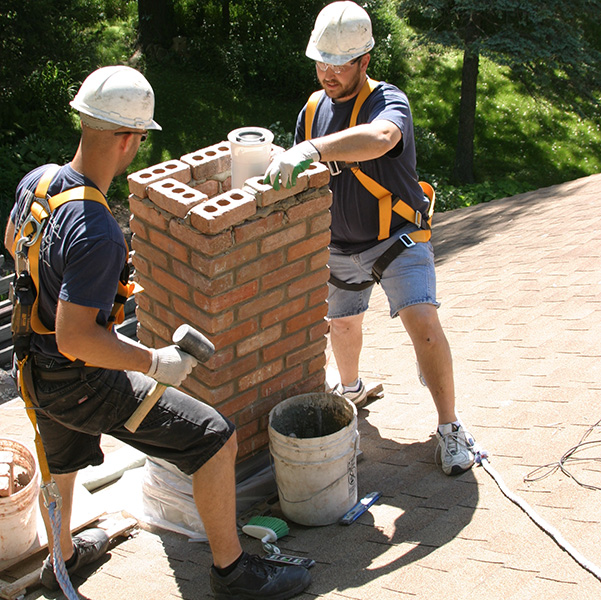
[(455, 444), (358, 398)]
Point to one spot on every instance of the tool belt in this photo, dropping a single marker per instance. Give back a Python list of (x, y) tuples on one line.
[(387, 202)]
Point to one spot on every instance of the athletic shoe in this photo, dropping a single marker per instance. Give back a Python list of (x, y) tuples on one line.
[(456, 448), (254, 577), (358, 398), (89, 546)]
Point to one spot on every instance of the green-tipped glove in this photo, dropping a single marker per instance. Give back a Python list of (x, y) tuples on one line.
[(287, 165)]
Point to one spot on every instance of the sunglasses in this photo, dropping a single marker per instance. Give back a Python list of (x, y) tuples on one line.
[(143, 136), (323, 67)]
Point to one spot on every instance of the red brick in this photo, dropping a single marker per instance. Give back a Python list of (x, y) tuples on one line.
[(319, 175), (263, 373), (283, 347), (153, 291), (266, 195), (284, 381), (233, 335), (214, 285), (170, 246), (311, 282), (258, 228), (144, 211), (312, 244), (175, 197), (283, 275), (261, 305), (209, 245), (138, 228), (318, 296), (192, 314), (313, 204), (150, 253), (241, 255), (246, 431), (319, 260), (319, 330), (284, 311), (212, 396), (141, 265), (222, 212), (175, 286), (254, 269), (261, 339), (321, 223), (210, 187), (317, 364), (283, 237), (227, 300), (139, 181), (253, 445), (153, 325), (208, 162), (307, 318), (239, 402), (234, 372), (306, 353)]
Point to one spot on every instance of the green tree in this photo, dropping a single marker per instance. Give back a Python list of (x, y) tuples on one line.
[(551, 46)]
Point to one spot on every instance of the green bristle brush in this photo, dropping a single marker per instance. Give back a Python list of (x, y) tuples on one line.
[(267, 529)]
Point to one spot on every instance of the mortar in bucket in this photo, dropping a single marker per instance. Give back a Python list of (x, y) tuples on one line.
[(313, 440), (251, 152), (18, 509)]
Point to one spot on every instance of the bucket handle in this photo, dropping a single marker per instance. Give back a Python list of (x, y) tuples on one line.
[(318, 492)]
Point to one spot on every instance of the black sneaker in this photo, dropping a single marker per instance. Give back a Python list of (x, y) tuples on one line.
[(89, 546), (254, 577)]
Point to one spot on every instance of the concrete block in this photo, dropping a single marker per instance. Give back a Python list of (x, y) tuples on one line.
[(139, 181), (223, 211), (210, 161), (175, 197)]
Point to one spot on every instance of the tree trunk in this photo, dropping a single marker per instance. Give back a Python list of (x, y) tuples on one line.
[(156, 24), (225, 18), (463, 171)]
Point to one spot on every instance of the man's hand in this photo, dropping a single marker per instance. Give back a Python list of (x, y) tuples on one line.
[(287, 165), (171, 365)]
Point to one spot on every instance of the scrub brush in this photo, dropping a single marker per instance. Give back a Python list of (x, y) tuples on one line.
[(267, 529)]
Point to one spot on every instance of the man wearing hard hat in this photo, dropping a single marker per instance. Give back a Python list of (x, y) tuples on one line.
[(363, 130), (84, 380)]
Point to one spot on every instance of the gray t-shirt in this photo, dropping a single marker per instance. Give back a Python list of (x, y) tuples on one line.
[(81, 256), (355, 215)]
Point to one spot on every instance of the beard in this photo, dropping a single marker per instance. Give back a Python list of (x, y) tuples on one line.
[(342, 91)]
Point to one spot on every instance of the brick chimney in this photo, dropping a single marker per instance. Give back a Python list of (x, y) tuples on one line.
[(248, 268)]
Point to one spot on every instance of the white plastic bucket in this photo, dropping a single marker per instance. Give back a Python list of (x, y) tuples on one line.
[(313, 440), (251, 151), (18, 511)]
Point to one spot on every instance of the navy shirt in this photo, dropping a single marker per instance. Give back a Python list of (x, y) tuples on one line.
[(355, 216), (81, 256)]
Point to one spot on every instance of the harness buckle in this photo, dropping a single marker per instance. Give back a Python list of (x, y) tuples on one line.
[(406, 240), (335, 169), (418, 218), (51, 494)]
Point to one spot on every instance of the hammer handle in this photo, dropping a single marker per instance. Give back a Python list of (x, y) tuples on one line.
[(138, 415)]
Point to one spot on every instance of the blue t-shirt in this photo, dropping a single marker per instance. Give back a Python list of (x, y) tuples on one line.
[(82, 254), (355, 214)]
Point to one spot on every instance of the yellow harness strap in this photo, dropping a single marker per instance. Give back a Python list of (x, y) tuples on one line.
[(384, 196)]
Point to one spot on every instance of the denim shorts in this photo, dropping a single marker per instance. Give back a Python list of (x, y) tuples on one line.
[(73, 414), (409, 279)]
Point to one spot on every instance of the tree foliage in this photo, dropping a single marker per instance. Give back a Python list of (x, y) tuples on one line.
[(551, 46)]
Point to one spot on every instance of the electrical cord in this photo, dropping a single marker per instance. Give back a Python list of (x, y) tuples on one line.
[(568, 457), (481, 458)]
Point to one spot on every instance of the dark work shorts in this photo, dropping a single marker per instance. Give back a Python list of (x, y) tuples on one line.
[(73, 414)]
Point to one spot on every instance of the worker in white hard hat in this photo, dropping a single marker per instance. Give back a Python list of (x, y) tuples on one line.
[(380, 231), (85, 380)]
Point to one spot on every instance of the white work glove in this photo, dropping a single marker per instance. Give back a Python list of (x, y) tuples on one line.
[(287, 165), (171, 365)]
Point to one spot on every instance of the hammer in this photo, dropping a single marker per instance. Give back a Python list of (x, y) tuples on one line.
[(189, 340)]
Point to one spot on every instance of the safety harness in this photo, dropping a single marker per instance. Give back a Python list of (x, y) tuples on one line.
[(387, 201)]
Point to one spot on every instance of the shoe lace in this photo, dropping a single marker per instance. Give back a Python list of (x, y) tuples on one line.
[(259, 567)]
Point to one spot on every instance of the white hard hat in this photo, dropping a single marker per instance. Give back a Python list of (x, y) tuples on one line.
[(342, 32), (116, 97)]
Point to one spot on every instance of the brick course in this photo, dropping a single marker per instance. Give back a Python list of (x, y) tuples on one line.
[(247, 267)]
